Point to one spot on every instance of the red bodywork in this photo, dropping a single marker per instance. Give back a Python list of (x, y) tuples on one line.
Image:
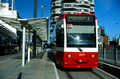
[(77, 59)]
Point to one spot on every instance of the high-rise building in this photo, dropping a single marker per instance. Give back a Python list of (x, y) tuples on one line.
[(59, 7)]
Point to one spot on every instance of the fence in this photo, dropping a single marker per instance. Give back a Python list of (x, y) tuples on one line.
[(110, 55)]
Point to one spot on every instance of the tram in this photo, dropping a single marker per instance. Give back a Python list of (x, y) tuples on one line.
[(75, 41)]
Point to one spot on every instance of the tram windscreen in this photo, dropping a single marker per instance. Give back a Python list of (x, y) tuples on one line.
[(81, 31)]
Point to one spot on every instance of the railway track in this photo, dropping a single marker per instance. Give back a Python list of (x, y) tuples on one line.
[(84, 74), (78, 74)]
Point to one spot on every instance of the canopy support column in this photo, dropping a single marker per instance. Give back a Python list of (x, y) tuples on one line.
[(29, 46), (23, 48), (24, 24)]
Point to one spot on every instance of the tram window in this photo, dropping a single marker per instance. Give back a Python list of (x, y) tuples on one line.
[(60, 37)]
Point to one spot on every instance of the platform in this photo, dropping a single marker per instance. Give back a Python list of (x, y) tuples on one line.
[(35, 69)]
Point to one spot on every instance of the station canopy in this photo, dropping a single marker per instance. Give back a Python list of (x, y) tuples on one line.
[(40, 25)]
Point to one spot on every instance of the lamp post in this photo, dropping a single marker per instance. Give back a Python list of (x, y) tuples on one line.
[(42, 10)]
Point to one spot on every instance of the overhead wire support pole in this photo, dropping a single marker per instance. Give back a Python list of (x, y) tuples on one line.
[(35, 8), (48, 32), (34, 32)]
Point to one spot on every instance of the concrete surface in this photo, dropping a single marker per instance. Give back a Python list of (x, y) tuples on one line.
[(39, 68)]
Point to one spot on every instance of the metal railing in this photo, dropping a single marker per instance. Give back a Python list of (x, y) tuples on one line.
[(110, 55)]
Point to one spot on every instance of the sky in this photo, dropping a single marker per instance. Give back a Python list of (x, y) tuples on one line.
[(106, 11), (108, 15)]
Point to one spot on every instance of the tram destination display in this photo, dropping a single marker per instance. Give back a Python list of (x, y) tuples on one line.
[(82, 19)]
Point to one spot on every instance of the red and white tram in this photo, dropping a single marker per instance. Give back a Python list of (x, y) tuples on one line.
[(75, 41)]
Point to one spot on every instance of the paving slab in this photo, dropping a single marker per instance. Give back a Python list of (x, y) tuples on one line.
[(35, 69)]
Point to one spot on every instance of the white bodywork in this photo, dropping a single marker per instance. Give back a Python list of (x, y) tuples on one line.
[(75, 49)]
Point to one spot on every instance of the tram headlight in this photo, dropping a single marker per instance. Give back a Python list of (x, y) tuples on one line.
[(93, 56), (69, 56)]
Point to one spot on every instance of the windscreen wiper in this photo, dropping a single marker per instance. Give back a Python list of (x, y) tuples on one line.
[(80, 49)]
